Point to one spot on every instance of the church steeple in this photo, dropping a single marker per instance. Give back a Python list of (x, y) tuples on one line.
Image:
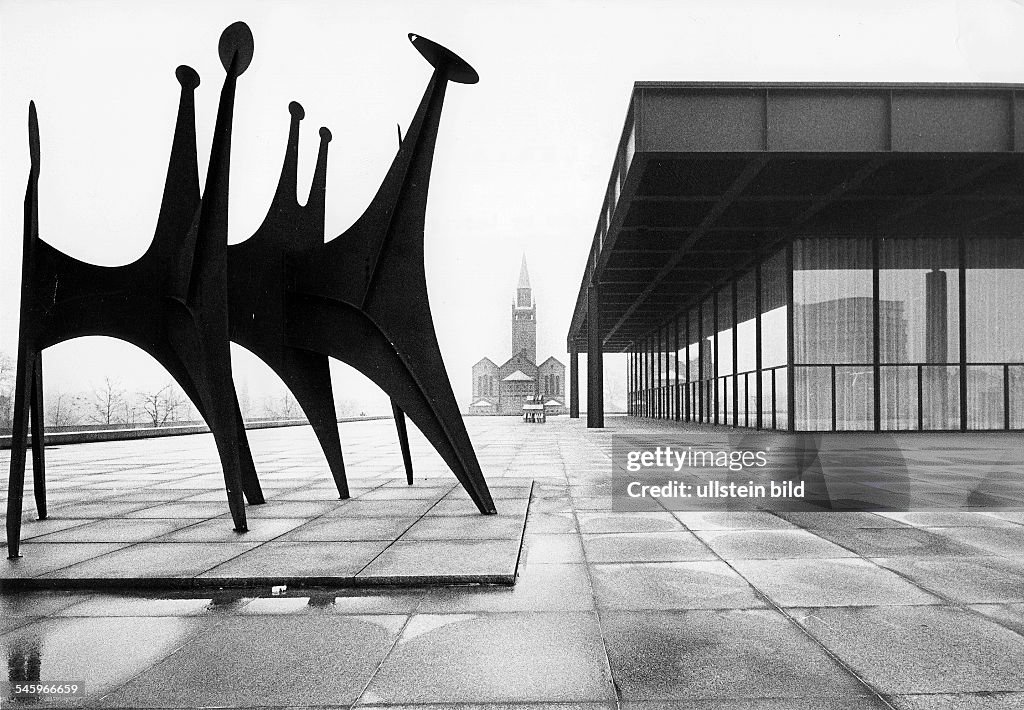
[(524, 294), (524, 317)]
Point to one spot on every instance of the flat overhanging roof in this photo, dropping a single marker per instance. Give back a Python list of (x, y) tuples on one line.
[(709, 177)]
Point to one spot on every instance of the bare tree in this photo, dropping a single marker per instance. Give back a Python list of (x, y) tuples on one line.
[(62, 408), (244, 402), (7, 366), (347, 407), (163, 405), (130, 407), (108, 400), (614, 394), (281, 407)]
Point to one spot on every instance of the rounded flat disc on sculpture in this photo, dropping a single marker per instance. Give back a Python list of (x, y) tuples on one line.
[(236, 38), (456, 68), (187, 76)]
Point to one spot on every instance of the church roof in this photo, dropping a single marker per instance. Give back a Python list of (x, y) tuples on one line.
[(482, 403), (553, 358), (524, 275), (518, 376), (552, 403)]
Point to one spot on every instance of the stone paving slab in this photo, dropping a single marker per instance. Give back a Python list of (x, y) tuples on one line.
[(127, 527)]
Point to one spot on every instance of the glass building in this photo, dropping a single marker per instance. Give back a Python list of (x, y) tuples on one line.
[(813, 258)]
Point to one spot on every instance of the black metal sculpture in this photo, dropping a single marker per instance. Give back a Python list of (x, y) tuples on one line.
[(284, 294), (256, 299), (362, 297)]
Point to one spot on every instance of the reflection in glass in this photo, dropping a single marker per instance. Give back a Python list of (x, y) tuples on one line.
[(833, 323), (774, 315), (995, 313), (693, 358), (707, 359), (832, 301), (724, 335), (985, 404), (681, 359), (746, 330), (854, 388), (940, 397), (1016, 378), (918, 288), (995, 307)]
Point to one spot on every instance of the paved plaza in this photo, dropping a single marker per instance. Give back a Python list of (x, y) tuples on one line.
[(153, 514), (645, 611)]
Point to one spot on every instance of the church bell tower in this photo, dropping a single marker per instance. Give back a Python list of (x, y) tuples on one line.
[(524, 317)]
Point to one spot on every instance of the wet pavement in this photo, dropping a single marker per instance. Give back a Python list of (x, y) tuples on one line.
[(644, 611)]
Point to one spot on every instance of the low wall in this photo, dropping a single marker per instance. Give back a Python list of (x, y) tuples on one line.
[(84, 436)]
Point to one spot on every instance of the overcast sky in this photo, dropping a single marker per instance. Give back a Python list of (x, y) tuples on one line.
[(522, 158)]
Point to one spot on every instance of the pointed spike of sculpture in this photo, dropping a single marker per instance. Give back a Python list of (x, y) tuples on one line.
[(33, 137), (316, 202), (180, 199), (287, 187)]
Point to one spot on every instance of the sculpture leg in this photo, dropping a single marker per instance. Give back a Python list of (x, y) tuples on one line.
[(224, 425), (38, 437), (215, 397), (182, 374), (308, 376), (222, 408), (250, 481), (19, 445), (347, 334), (403, 440)]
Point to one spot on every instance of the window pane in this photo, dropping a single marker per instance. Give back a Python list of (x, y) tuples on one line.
[(940, 405), (773, 311), (813, 398), (781, 398), (724, 336), (854, 388), (985, 397), (899, 398), (766, 399), (833, 312), (995, 300), (693, 362), (724, 331), (659, 383), (681, 349), (693, 347), (919, 300), (1017, 397), (746, 330), (742, 415), (707, 358)]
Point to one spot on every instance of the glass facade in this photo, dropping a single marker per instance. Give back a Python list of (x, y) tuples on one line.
[(848, 333)]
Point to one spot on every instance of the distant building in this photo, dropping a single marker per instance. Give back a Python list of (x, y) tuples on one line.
[(503, 389)]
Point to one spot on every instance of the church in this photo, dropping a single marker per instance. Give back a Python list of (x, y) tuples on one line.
[(504, 389)]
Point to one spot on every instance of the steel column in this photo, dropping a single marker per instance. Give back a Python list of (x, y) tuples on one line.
[(595, 364)]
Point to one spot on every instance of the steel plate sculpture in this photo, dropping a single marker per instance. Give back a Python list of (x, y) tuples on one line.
[(284, 294)]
